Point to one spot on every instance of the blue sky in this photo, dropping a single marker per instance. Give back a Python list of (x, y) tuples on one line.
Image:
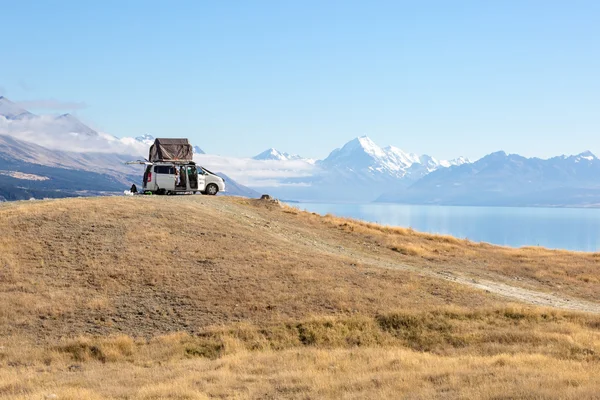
[(446, 78)]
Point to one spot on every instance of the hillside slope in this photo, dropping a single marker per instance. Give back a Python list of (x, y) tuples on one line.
[(162, 264), (183, 296)]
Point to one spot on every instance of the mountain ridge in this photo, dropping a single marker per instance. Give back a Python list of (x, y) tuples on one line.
[(509, 179)]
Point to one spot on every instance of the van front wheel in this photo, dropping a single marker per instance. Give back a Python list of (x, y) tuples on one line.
[(212, 189)]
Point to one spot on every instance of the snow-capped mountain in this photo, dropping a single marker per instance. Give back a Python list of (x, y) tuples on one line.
[(274, 154), (10, 110), (364, 157), (360, 170)]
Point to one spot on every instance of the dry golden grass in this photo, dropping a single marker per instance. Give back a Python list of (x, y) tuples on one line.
[(572, 273), (200, 297), (314, 374)]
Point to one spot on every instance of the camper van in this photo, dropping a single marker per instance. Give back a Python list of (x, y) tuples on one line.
[(165, 177), (170, 170)]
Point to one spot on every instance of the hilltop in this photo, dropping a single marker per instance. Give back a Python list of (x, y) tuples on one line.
[(193, 296)]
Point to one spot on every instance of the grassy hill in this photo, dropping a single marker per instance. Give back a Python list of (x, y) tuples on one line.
[(191, 297)]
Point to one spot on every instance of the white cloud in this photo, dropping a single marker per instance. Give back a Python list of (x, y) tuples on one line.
[(249, 172), (52, 133)]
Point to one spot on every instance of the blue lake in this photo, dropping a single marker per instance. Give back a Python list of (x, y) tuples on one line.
[(558, 228)]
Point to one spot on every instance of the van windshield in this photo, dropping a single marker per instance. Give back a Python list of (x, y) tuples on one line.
[(212, 173)]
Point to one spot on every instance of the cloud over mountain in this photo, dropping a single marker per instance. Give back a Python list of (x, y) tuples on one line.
[(258, 173)]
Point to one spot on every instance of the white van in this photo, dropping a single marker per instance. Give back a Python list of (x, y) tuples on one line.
[(165, 177)]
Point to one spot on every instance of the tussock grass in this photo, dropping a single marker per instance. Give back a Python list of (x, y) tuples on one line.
[(444, 331), (448, 352)]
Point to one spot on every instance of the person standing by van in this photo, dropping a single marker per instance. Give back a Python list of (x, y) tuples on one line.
[(177, 177)]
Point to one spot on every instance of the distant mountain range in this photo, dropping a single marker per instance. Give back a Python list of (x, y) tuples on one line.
[(360, 170), (509, 180), (56, 156), (364, 156), (363, 171)]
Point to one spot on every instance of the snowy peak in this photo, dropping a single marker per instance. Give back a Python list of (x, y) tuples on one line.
[(587, 155), (10, 110), (269, 154), (361, 148), (364, 144), (274, 154), (364, 156)]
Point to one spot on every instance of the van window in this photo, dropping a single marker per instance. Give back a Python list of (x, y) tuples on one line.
[(164, 169)]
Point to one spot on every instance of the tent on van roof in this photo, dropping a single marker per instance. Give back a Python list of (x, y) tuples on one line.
[(170, 150)]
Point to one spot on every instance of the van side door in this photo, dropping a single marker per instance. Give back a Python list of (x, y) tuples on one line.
[(192, 175), (165, 176)]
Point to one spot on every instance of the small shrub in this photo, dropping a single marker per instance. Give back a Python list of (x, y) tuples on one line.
[(407, 250), (211, 349)]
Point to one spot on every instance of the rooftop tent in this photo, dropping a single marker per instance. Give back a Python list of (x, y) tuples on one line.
[(170, 150)]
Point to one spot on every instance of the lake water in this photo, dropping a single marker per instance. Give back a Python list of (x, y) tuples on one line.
[(558, 228)]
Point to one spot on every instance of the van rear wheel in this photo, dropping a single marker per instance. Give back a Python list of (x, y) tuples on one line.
[(212, 189)]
